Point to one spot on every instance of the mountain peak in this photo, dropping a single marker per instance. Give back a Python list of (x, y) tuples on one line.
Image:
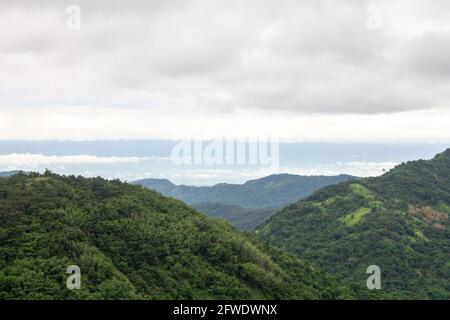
[(443, 155), (408, 208), (157, 184)]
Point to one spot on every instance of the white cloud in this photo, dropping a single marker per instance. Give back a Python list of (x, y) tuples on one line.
[(199, 61), (27, 161), (355, 168), (84, 123), (202, 177)]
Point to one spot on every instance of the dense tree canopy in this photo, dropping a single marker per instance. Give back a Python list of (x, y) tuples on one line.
[(245, 205), (273, 191), (133, 243), (399, 221), (242, 218)]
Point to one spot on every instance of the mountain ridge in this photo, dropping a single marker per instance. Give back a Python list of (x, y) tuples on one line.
[(133, 243), (398, 221), (248, 204)]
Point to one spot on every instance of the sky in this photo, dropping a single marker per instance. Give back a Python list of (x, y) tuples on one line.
[(366, 82), (133, 160), (311, 70)]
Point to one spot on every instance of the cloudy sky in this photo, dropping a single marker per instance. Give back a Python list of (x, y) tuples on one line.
[(310, 70)]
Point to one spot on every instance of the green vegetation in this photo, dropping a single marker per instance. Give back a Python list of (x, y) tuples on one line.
[(269, 192), (246, 205), (354, 217), (399, 221), (242, 218), (5, 174), (361, 190), (133, 243)]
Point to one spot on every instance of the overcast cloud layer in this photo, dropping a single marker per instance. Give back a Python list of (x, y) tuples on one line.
[(147, 69)]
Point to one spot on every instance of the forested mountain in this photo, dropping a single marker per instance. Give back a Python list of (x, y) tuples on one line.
[(5, 174), (242, 218), (399, 222), (133, 243), (269, 192), (245, 205)]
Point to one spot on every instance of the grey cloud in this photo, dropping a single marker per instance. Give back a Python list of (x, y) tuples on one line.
[(298, 56), (429, 54)]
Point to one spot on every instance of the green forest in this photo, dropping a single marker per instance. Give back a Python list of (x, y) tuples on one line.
[(249, 204), (399, 222), (240, 217), (133, 243), (273, 191)]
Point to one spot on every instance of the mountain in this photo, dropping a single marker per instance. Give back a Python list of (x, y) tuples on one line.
[(399, 222), (5, 174), (133, 243), (245, 205), (242, 218), (269, 192)]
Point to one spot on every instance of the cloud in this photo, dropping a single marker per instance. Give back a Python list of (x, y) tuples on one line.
[(202, 58), (428, 55), (27, 161), (240, 175), (84, 123), (356, 168)]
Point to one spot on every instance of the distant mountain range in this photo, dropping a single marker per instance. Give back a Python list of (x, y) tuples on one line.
[(398, 221), (240, 217), (5, 174), (249, 204), (133, 243)]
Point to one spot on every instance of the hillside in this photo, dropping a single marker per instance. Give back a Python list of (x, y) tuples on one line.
[(242, 218), (269, 192), (5, 174), (133, 243), (399, 221), (245, 205)]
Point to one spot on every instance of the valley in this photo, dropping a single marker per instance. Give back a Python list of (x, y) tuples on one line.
[(249, 204), (134, 243)]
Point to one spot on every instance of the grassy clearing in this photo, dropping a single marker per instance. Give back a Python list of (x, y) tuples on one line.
[(354, 217), (360, 190)]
